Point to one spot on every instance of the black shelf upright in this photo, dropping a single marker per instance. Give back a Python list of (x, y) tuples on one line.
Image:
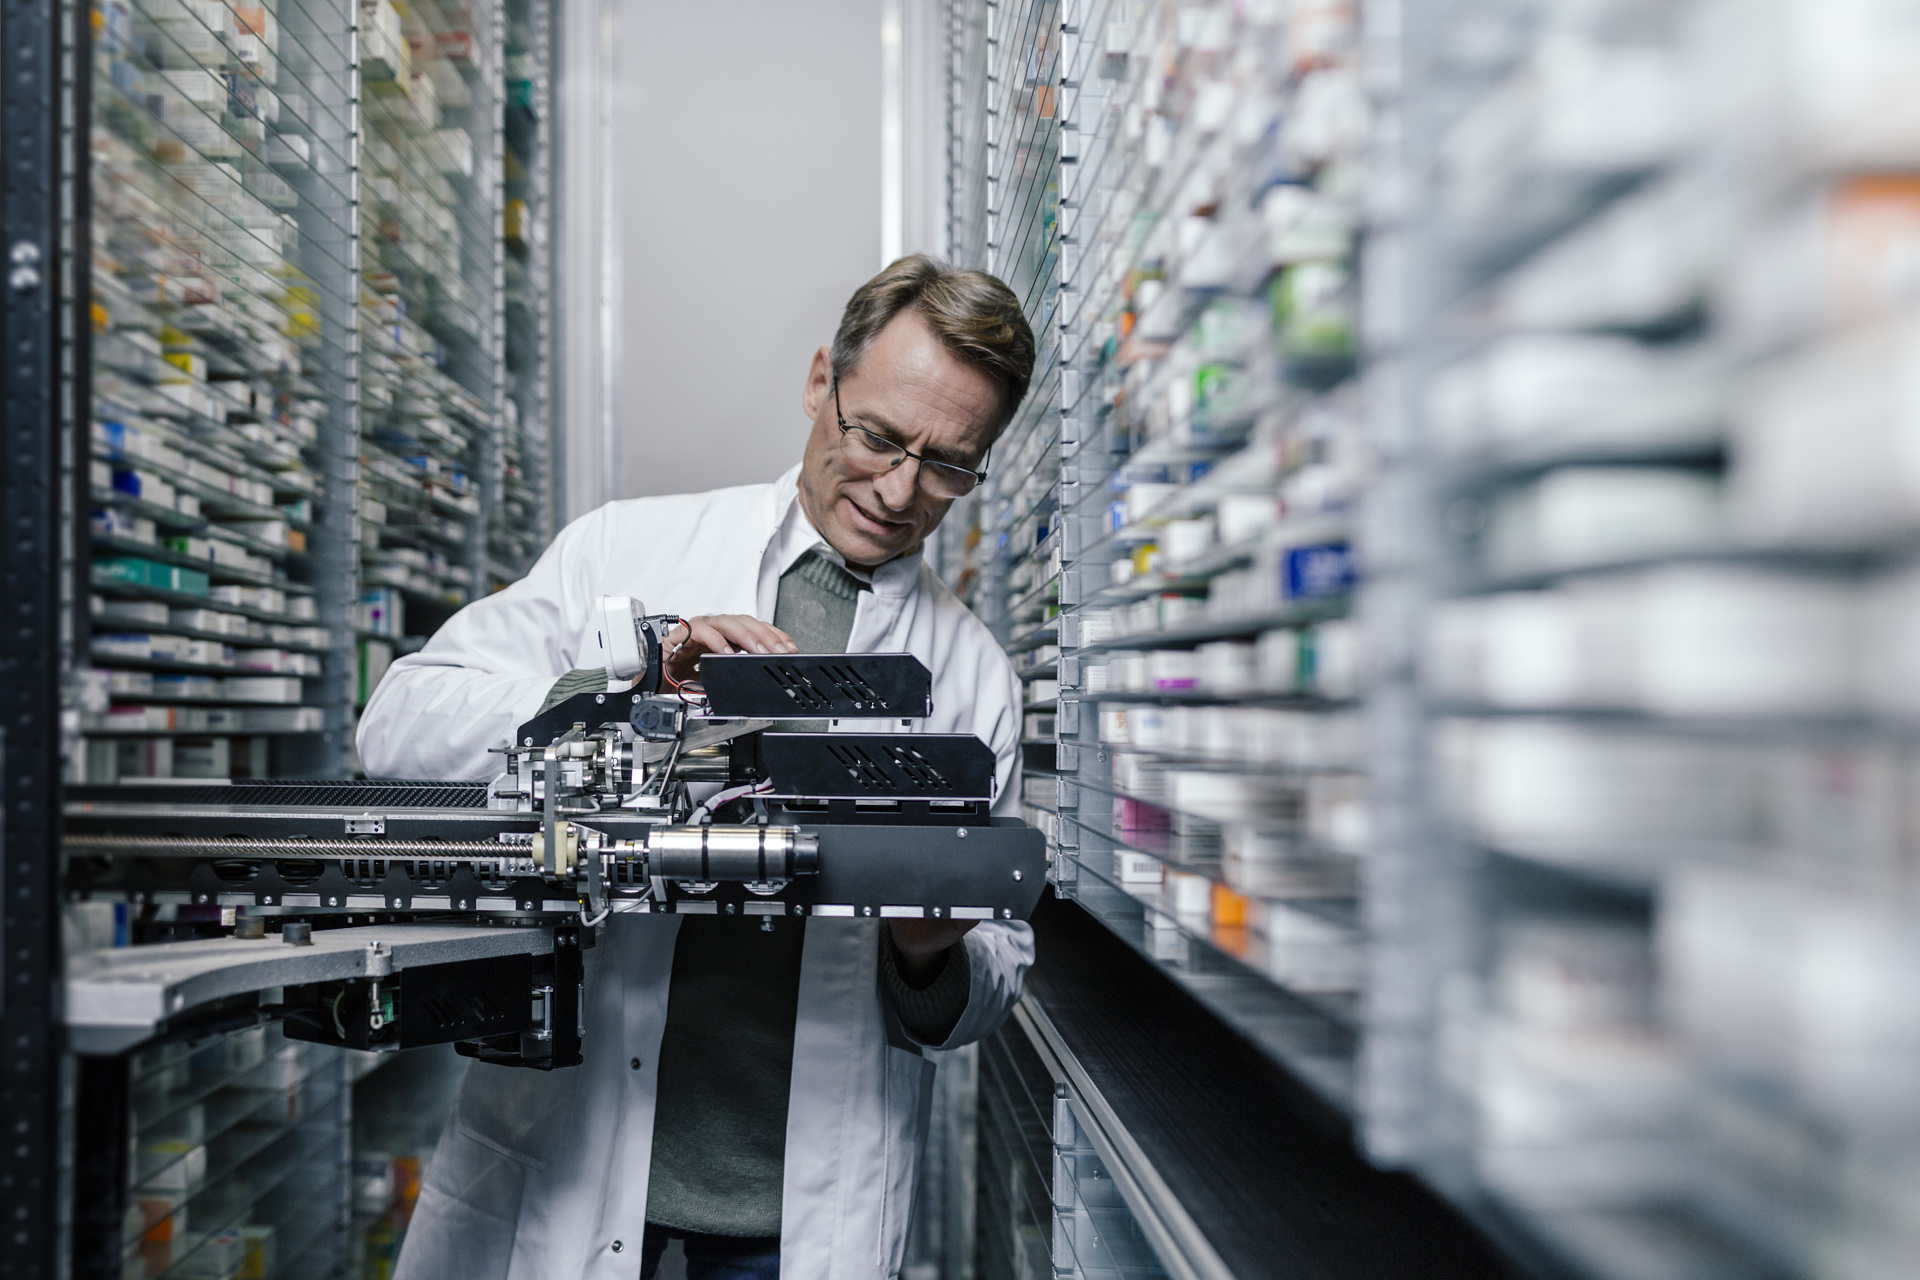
[(43, 189)]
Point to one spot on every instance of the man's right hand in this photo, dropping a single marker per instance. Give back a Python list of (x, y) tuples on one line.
[(721, 633)]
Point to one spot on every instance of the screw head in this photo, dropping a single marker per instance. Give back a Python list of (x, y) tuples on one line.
[(599, 697), (962, 833)]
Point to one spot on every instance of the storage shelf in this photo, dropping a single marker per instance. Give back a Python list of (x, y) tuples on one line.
[(103, 625), (1225, 629), (187, 600), (218, 572)]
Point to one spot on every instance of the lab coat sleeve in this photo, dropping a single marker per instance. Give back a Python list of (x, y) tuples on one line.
[(485, 672), (998, 952), (1001, 728)]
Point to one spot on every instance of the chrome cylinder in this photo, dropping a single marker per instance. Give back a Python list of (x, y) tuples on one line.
[(754, 855), (705, 764)]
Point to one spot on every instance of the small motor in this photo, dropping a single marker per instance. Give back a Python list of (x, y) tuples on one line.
[(657, 718)]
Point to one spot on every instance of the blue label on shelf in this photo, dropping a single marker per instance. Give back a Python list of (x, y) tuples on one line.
[(1325, 570)]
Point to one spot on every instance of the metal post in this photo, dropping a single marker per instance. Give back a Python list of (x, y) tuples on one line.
[(38, 113), (324, 52)]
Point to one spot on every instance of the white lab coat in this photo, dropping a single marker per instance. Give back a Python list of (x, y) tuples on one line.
[(544, 1174)]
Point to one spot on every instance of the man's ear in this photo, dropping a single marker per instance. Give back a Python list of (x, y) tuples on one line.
[(819, 383)]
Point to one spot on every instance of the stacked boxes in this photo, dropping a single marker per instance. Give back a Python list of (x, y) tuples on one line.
[(1164, 545), (430, 392), (207, 412), (1651, 586), (235, 1140), (522, 521), (256, 316)]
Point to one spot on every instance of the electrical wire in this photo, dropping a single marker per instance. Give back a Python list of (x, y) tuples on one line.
[(728, 796)]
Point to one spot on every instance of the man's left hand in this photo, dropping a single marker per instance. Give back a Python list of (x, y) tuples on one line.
[(921, 944)]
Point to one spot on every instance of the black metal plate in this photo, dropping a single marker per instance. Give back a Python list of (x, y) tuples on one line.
[(1000, 866), (590, 709), (445, 1002), (822, 686), (878, 766)]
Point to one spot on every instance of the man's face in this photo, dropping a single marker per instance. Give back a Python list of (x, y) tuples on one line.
[(913, 391)]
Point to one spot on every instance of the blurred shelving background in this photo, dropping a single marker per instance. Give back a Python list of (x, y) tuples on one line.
[(1457, 554)]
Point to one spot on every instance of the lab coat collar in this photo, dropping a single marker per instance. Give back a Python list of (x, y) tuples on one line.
[(795, 535)]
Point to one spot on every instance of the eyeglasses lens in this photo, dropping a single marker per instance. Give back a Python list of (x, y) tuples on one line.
[(875, 454)]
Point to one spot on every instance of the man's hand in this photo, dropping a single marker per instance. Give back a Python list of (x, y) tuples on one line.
[(920, 944), (721, 633)]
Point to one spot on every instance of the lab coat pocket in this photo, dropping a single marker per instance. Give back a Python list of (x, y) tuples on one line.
[(909, 1096)]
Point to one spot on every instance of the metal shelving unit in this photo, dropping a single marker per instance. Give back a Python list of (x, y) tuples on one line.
[(222, 144), (273, 240), (433, 396), (238, 1164), (522, 520), (302, 452), (1164, 546), (1641, 594), (1491, 701)]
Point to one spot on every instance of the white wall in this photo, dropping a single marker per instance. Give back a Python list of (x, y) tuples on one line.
[(747, 149)]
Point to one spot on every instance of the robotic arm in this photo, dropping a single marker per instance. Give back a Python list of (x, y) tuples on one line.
[(593, 813)]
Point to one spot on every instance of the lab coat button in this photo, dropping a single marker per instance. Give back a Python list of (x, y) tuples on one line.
[(618, 1246), (634, 1063)]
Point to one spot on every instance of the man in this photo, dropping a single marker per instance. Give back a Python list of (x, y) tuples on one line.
[(753, 1088)]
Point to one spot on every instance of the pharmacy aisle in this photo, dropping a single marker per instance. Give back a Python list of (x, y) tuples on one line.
[(1459, 560)]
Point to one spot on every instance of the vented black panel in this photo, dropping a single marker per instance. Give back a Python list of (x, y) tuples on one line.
[(372, 793), (785, 686), (873, 766)]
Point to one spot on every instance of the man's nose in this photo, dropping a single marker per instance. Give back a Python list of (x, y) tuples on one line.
[(895, 487)]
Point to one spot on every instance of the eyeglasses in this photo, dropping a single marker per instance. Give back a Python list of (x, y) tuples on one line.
[(876, 455)]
